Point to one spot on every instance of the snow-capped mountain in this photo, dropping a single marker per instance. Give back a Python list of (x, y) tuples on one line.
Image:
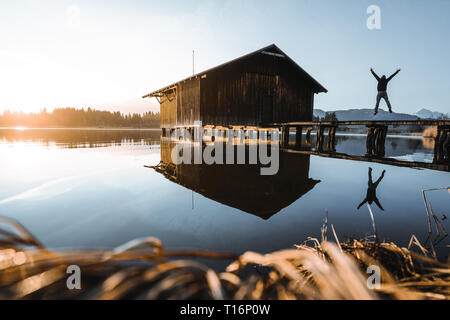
[(428, 114)]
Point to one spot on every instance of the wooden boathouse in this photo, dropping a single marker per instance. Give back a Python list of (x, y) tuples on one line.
[(263, 87)]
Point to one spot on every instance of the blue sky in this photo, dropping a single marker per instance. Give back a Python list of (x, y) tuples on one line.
[(105, 53)]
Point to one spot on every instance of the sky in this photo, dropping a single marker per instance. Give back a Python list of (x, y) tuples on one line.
[(107, 54)]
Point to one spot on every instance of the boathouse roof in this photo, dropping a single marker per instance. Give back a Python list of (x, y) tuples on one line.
[(269, 50)]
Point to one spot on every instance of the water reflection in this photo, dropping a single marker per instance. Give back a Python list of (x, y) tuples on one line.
[(371, 195), (79, 138), (242, 186), (410, 152), (104, 197)]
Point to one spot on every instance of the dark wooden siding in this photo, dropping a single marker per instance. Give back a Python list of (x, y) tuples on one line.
[(294, 101), (188, 102), (252, 91), (249, 91), (168, 111)]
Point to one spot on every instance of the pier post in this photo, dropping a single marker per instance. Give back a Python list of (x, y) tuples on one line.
[(385, 130), (380, 138), (376, 138), (285, 136), (446, 145), (370, 141), (319, 138), (442, 144), (298, 136), (332, 138), (308, 135), (437, 145)]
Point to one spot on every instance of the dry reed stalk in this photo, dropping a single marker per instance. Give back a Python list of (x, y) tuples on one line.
[(143, 269)]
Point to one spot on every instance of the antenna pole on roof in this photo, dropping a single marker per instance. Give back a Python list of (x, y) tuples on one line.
[(193, 62)]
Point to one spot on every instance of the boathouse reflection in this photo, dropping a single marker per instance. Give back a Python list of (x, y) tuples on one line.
[(242, 186)]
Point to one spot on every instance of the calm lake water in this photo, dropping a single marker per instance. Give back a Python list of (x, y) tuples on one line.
[(90, 189)]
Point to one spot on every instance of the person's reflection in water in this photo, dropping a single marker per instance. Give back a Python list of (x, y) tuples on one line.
[(372, 191)]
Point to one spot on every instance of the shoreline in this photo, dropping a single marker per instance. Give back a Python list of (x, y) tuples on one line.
[(21, 128), (342, 133)]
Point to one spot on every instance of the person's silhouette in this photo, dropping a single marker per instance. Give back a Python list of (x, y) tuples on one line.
[(372, 191), (382, 87)]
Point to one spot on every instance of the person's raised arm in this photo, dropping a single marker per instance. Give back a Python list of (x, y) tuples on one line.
[(374, 74), (394, 74)]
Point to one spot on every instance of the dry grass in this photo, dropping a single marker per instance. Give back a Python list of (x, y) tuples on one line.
[(143, 269), (430, 132), (428, 136)]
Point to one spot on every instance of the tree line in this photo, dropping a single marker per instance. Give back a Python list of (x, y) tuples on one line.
[(71, 117), (329, 116)]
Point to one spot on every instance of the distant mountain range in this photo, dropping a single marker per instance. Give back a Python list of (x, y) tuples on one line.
[(427, 114), (367, 114)]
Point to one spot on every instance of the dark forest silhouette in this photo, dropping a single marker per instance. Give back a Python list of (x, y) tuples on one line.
[(71, 117), (329, 116)]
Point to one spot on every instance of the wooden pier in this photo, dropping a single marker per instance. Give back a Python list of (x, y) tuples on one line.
[(376, 136), (325, 131)]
